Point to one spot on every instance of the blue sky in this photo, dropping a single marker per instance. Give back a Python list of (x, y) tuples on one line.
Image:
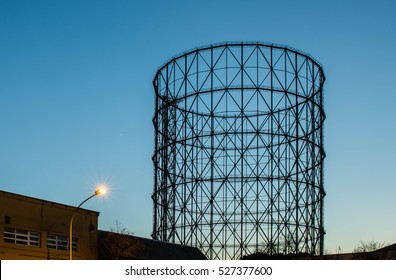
[(76, 98)]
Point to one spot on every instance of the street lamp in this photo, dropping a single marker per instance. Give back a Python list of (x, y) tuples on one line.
[(99, 191)]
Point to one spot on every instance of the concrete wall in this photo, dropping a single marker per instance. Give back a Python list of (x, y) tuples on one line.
[(35, 216)]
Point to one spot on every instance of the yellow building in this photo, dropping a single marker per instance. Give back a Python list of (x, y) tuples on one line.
[(33, 228)]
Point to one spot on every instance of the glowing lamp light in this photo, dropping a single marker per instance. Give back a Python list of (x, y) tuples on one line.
[(101, 190)]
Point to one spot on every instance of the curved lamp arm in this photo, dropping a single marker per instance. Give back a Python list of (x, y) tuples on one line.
[(97, 192)]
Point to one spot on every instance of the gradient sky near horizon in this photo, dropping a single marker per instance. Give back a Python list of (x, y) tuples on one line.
[(76, 99)]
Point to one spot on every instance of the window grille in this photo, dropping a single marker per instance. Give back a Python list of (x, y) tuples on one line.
[(21, 237), (60, 242)]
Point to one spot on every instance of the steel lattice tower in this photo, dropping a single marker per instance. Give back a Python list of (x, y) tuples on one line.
[(238, 160)]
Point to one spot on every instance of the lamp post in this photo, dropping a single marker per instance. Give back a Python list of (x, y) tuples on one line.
[(99, 191)]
